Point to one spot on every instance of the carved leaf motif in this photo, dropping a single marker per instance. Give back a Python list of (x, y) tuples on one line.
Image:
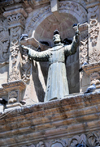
[(91, 139), (78, 140), (40, 144), (58, 143)]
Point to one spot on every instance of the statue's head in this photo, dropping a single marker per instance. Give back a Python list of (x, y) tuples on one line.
[(56, 37)]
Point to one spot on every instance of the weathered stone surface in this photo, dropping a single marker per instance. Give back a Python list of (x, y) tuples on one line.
[(63, 118)]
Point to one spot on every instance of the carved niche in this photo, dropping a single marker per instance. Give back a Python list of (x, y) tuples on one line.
[(4, 41), (26, 66)]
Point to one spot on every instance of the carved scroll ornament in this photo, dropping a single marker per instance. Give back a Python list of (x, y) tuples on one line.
[(83, 51), (94, 31), (94, 26), (94, 56)]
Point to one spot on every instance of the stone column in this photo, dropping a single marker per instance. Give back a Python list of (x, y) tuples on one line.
[(92, 70), (94, 35), (16, 19)]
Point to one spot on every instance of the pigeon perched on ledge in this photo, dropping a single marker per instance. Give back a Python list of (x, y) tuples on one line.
[(81, 68), (3, 101), (23, 36), (80, 145), (90, 89)]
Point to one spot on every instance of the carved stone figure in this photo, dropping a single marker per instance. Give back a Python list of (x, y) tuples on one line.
[(57, 84)]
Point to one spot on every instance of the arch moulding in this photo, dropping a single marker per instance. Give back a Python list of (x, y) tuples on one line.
[(38, 16)]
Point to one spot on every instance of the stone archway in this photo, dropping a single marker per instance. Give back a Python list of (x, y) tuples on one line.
[(39, 15)]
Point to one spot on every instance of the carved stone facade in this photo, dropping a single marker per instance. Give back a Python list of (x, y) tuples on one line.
[(25, 120)]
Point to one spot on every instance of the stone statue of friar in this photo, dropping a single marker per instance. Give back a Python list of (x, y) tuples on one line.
[(57, 84)]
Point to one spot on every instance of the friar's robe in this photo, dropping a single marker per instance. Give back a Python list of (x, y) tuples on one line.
[(57, 84)]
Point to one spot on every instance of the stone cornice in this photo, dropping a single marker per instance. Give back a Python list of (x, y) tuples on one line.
[(90, 68), (67, 117), (16, 11), (14, 85)]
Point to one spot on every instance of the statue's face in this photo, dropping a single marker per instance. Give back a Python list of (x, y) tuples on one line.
[(56, 38)]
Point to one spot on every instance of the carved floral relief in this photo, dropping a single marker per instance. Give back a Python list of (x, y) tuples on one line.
[(4, 42), (94, 31), (83, 140), (94, 56), (15, 18), (94, 26), (83, 51), (14, 50)]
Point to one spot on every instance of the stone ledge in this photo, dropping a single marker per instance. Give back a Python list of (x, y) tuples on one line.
[(14, 85), (2, 92), (66, 117), (90, 68)]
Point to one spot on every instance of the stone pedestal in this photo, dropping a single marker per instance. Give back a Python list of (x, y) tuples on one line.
[(15, 92), (93, 71)]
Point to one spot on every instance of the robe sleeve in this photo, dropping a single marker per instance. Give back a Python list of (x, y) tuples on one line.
[(38, 56), (72, 48)]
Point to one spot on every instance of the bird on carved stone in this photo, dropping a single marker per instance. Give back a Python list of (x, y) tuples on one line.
[(74, 24), (3, 101), (90, 89), (23, 102), (80, 145), (81, 68), (67, 41), (23, 36)]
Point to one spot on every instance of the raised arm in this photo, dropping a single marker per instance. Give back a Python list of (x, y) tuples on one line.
[(72, 48), (38, 56)]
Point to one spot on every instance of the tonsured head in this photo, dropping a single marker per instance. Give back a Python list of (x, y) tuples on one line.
[(56, 37)]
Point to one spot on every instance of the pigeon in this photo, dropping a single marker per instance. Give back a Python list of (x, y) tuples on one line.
[(90, 89), (81, 68), (23, 36), (67, 41), (80, 145), (56, 32), (45, 43), (74, 24), (23, 102), (3, 101)]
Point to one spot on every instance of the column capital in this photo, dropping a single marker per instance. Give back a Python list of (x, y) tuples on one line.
[(15, 17)]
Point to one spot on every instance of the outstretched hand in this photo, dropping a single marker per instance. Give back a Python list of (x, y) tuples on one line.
[(77, 33)]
